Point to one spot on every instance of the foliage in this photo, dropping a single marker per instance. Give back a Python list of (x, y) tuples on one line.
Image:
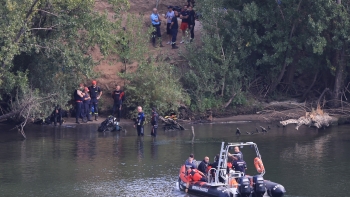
[(154, 83), (277, 45), (45, 45)]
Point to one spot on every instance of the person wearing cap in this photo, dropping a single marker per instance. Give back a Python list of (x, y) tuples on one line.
[(155, 20), (78, 97), (118, 97), (86, 105), (154, 122), (140, 120), (168, 16), (191, 162), (95, 95)]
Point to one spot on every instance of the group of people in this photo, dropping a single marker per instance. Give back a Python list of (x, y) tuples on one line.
[(187, 15), (86, 102), (194, 173)]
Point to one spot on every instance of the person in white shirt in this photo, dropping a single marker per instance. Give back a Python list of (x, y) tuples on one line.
[(169, 15)]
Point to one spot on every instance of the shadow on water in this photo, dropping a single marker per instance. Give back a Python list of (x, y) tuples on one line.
[(79, 161)]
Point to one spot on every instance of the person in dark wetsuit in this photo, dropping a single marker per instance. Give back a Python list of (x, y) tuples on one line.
[(86, 112), (203, 165), (139, 121), (118, 96), (154, 122), (95, 94), (56, 115)]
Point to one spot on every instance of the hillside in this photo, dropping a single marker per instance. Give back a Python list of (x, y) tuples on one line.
[(110, 68)]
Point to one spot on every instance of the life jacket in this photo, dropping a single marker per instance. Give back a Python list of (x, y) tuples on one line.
[(77, 98), (195, 176), (94, 91)]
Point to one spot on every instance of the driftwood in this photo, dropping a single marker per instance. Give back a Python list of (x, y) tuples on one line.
[(171, 124), (316, 118)]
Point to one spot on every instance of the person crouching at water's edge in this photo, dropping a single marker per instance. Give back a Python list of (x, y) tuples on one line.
[(154, 122), (140, 121)]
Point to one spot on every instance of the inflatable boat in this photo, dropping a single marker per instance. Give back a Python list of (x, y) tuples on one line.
[(225, 182)]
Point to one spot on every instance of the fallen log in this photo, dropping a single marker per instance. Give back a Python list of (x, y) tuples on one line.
[(171, 124), (316, 118)]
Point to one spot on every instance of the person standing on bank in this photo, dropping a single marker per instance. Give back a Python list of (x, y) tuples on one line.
[(118, 97), (155, 19), (154, 122), (174, 27), (78, 97), (86, 105), (139, 121), (184, 23), (95, 94), (168, 16), (191, 21)]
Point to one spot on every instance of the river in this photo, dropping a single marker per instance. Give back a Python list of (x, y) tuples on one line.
[(79, 161)]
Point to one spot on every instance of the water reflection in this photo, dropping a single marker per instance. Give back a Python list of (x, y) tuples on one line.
[(62, 161), (139, 148)]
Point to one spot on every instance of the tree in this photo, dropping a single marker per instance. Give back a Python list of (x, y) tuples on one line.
[(45, 46), (273, 43)]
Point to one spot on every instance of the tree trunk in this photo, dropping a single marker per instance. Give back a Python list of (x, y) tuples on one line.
[(339, 78)]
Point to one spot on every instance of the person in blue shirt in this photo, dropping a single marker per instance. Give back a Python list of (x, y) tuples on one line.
[(191, 162), (155, 19), (140, 120)]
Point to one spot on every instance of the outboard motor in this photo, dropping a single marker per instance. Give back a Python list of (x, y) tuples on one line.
[(244, 187), (274, 189), (259, 186)]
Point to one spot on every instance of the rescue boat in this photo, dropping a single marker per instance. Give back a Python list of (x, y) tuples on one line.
[(229, 183)]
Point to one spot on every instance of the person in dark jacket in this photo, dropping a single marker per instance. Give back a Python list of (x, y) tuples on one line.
[(78, 97), (191, 21), (118, 97), (203, 165), (154, 122), (239, 165), (174, 28), (139, 121), (95, 94)]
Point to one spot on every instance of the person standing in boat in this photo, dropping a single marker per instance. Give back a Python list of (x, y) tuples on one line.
[(191, 162), (239, 165), (203, 165), (238, 152), (139, 121)]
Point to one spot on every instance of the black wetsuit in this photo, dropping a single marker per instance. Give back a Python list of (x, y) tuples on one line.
[(154, 123), (139, 123), (203, 166), (94, 93)]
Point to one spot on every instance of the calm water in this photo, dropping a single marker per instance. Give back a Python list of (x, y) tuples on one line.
[(82, 162)]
